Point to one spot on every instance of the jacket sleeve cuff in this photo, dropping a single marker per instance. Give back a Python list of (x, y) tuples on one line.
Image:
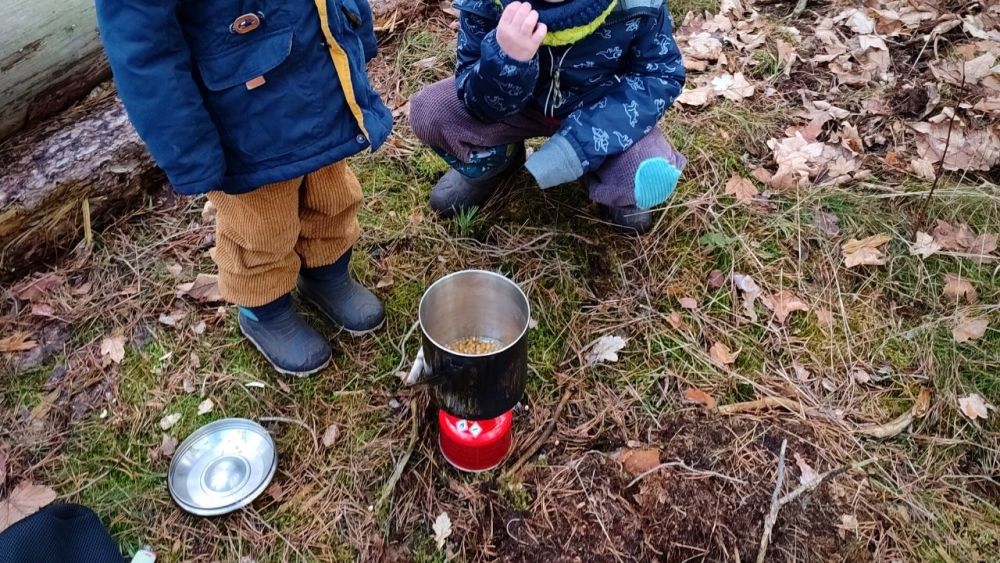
[(554, 164)]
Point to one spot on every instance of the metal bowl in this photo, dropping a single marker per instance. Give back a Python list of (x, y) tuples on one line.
[(222, 467)]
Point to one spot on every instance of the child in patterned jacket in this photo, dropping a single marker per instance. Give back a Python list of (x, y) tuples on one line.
[(594, 76)]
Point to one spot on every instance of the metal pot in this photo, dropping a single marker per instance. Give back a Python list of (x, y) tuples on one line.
[(474, 304)]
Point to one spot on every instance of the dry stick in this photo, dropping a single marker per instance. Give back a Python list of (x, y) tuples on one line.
[(777, 503), (772, 515), (937, 178), (683, 465), (390, 485), (799, 8), (537, 444), (767, 403), (296, 422)]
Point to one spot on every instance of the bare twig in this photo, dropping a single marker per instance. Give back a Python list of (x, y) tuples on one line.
[(940, 172), (390, 485), (768, 403), (772, 514), (537, 444), (683, 465), (800, 7)]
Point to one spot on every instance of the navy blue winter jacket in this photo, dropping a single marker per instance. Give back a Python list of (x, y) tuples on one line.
[(235, 94), (610, 88)]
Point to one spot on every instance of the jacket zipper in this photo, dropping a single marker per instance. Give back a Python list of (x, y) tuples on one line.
[(555, 98)]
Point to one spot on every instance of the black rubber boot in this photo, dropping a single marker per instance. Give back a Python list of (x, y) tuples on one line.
[(455, 193), (287, 341), (345, 302), (630, 220)]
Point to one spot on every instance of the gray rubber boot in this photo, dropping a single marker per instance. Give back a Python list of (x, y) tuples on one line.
[(630, 220), (455, 193), (345, 302), (287, 341)]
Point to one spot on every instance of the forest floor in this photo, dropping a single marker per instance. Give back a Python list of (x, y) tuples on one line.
[(804, 294)]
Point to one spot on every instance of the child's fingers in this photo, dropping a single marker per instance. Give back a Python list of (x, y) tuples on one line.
[(519, 16), (539, 35), (509, 11), (530, 21)]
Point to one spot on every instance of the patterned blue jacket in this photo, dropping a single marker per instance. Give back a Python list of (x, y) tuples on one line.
[(610, 88)]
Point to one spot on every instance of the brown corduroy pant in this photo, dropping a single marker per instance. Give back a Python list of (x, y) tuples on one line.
[(265, 236)]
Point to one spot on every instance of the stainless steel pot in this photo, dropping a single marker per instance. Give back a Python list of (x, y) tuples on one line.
[(474, 304)]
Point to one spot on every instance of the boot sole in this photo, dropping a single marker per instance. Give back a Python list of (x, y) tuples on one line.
[(353, 333), (296, 374)]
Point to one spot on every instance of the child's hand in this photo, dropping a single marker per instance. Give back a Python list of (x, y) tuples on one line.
[(519, 33)]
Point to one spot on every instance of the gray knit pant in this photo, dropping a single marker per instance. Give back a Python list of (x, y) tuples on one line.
[(439, 119)]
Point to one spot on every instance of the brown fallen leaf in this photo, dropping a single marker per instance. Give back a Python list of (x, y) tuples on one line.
[(700, 397), (17, 342), (801, 373), (114, 348), (864, 252), (923, 403), (688, 303), (38, 289), (925, 246), (923, 168), (824, 316), (25, 500), (783, 304), (742, 189), (721, 354), (676, 320), (958, 288), (827, 223), (969, 329), (958, 238), (639, 461), (204, 289), (716, 279)]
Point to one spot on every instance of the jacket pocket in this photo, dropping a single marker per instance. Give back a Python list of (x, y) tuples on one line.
[(253, 96)]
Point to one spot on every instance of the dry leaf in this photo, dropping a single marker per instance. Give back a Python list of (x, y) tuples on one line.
[(605, 349), (385, 282), (25, 500), (697, 96), (114, 348), (827, 223), (923, 403), (974, 407), (165, 450), (923, 168), (807, 475), (824, 316), (860, 376), (721, 354), (801, 372), (676, 320), (783, 304), (199, 328), (688, 303), (700, 397), (751, 292), (958, 288), (848, 523), (442, 529), (205, 407), (958, 238), (204, 289), (175, 269), (716, 279), (209, 212), (17, 342), (970, 329), (732, 86), (925, 246), (742, 189), (865, 252), (37, 289), (638, 461), (169, 421), (330, 435)]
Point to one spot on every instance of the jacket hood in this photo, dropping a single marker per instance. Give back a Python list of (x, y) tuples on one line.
[(571, 20)]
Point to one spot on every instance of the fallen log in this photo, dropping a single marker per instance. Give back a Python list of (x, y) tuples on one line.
[(50, 57), (89, 153)]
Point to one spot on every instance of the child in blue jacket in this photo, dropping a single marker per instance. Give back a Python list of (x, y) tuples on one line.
[(257, 103), (594, 76)]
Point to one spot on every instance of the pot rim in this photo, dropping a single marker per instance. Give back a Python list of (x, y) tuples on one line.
[(520, 337)]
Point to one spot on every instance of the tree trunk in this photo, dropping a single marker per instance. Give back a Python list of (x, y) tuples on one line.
[(88, 153), (50, 57)]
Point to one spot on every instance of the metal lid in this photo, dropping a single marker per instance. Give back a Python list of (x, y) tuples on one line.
[(222, 467)]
